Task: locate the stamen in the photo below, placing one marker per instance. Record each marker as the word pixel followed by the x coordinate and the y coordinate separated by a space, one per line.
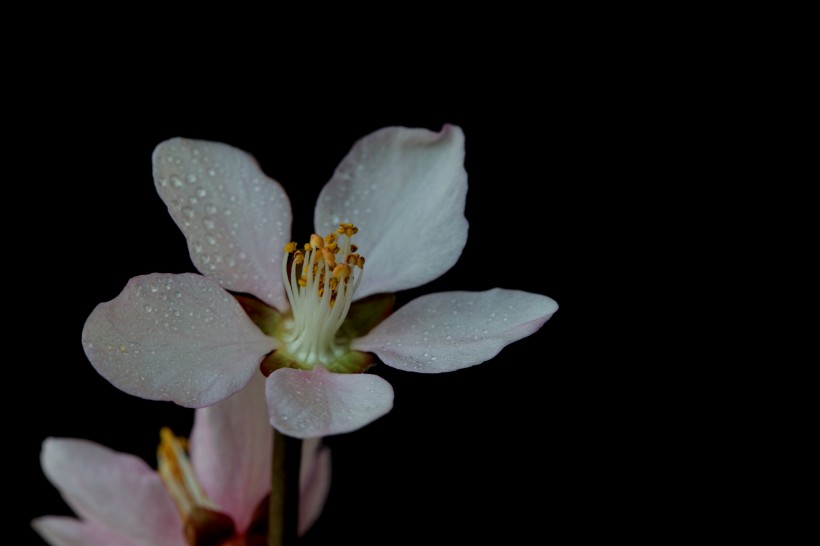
pixel 316 241
pixel 178 475
pixel 320 289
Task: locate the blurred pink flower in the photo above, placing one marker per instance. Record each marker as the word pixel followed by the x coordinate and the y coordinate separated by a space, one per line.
pixel 220 492
pixel 185 338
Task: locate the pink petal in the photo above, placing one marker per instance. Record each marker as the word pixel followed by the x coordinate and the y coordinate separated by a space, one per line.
pixel 405 189
pixel 231 446
pixel 66 531
pixel 314 482
pixel 309 404
pixel 113 490
pixel 452 330
pixel 175 337
pixel 236 219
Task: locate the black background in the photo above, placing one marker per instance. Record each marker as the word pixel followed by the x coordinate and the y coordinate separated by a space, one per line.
pixel 531 443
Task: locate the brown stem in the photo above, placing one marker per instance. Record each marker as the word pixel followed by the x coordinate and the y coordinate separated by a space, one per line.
pixel 283 514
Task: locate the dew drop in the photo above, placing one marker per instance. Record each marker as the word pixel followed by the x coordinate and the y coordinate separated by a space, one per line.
pixel 188 211
pixel 147 308
pixel 210 239
pixel 191 178
pixel 211 172
pixel 176 181
pixel 208 223
pixel 210 209
pixel 201 192
pixel 178 294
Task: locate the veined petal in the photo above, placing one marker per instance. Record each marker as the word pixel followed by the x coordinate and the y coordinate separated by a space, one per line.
pixel 235 218
pixel 309 404
pixel 453 330
pixel 114 490
pixel 231 451
pixel 66 531
pixel 175 337
pixel 405 189
pixel 314 482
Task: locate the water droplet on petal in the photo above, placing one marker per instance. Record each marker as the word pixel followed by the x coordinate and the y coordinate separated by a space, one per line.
pixel 208 223
pixel 147 308
pixel 201 192
pixel 188 211
pixel 210 209
pixel 176 181
pixel 191 178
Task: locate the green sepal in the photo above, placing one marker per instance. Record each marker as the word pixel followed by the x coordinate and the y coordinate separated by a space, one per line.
pixel 278 359
pixel 263 315
pixel 366 314
pixel 352 362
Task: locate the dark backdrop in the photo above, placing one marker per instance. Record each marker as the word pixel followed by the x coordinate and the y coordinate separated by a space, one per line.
pixel 525 445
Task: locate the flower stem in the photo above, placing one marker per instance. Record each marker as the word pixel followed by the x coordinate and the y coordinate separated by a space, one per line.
pixel 283 515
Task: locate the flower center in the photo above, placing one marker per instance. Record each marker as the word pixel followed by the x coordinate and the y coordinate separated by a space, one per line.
pixel 203 524
pixel 323 278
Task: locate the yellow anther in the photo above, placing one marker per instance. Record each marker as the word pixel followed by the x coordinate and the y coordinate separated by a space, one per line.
pixel 290 247
pixel 330 259
pixel 360 262
pixel 348 229
pixel 334 283
pixel 316 241
pixel 354 248
pixel 330 242
pixel 303 281
pixel 341 271
pixel 298 257
pixel 307 247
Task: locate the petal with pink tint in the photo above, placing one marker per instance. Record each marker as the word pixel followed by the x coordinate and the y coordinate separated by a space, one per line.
pixel 314 482
pixel 230 448
pixel 236 220
pixel 66 531
pixel 405 189
pixel 175 337
pixel 309 404
pixel 452 330
pixel 112 489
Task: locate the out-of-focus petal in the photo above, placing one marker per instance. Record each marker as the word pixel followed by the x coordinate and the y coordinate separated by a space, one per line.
pixel 309 404
pixel 405 189
pixel 116 490
pixel 235 218
pixel 66 531
pixel 314 482
pixel 452 330
pixel 231 446
pixel 175 337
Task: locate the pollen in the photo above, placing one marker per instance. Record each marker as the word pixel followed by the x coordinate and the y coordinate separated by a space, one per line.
pixel 320 284
pixel 290 247
pixel 347 229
